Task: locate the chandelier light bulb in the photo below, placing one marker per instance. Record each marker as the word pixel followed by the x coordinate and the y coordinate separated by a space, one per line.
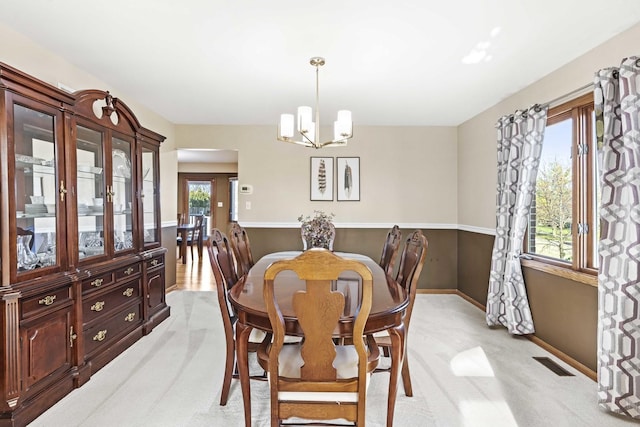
pixel 286 125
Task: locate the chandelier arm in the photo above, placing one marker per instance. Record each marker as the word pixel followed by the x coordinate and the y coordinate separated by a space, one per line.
pixel 304 135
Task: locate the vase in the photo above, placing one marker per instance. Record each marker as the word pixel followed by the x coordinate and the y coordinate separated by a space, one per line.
pixel 27 259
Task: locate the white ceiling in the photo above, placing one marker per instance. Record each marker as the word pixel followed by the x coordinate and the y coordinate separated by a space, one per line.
pixel 397 63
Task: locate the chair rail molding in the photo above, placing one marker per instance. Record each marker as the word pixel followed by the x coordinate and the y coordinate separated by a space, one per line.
pixel 386 225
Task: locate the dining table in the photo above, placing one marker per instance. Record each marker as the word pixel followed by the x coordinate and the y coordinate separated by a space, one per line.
pixel 389 304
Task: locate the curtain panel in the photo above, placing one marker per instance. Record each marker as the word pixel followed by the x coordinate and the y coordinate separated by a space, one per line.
pixel 519 142
pixel 617 107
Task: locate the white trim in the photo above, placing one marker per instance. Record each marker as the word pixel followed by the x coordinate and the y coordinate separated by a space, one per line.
pixel 430 226
pixel 479 230
pixel 384 225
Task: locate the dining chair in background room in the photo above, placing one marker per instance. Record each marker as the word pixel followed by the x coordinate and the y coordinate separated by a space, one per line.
pixel 194 238
pixel 306 234
pixel 222 264
pixel 179 237
pixel 241 248
pixel 181 218
pixel 390 249
pixel 411 263
pixel 317 379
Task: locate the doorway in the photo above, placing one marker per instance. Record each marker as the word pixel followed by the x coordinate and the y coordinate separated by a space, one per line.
pixel 206 194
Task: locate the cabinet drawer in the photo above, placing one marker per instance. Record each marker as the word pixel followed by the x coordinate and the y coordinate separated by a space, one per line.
pixel 97 282
pixel 46 301
pixel 156 261
pixel 97 305
pixel 127 272
pixel 112 327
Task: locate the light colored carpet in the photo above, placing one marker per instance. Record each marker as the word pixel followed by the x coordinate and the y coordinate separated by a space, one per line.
pixel 464 374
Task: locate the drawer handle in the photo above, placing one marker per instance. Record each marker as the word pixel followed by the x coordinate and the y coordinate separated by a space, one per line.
pixel 128 292
pixel 98 306
pixel 130 317
pixel 48 300
pixel 100 336
pixel 97 282
pixel 154 262
pixel 128 271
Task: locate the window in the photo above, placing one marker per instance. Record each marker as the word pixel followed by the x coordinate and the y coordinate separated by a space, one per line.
pixel 563 221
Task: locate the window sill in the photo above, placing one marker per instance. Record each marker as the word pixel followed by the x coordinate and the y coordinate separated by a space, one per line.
pixel 577 276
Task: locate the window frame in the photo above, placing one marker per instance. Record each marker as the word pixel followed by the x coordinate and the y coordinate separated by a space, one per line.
pixel 583 266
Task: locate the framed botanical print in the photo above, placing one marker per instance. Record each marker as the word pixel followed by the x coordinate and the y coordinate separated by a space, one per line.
pixel 321 178
pixel 348 178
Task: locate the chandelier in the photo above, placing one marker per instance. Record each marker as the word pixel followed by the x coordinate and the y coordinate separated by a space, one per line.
pixel 308 129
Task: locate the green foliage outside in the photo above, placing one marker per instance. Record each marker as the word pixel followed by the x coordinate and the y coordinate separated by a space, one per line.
pixel 199 198
pixel 554 204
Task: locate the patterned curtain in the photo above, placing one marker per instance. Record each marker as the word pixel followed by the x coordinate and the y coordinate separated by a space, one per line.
pixel 617 106
pixel 519 147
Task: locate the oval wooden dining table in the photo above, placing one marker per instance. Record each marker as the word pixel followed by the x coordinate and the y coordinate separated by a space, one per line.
pixel 389 303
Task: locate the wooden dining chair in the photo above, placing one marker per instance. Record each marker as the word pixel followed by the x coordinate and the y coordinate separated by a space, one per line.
pixel 390 249
pixel 411 263
pixel 317 379
pixel 182 218
pixel 222 264
pixel 194 238
pixel 241 248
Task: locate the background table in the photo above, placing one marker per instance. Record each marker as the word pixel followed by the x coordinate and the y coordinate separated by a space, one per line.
pixel 183 230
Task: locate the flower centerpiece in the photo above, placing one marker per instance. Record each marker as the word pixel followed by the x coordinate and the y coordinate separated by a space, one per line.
pixel 317 230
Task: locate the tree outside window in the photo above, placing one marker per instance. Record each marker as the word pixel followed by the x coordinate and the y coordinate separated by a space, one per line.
pixel 199 199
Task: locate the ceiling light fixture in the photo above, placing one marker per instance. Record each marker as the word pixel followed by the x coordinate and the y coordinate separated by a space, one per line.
pixel 310 130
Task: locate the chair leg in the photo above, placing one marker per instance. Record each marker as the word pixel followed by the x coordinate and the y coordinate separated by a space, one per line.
pixel 229 368
pixel 406 378
pixel 385 351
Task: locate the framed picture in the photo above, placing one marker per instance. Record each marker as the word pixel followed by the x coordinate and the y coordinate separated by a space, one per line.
pixel 322 178
pixel 348 176
pixel 351 288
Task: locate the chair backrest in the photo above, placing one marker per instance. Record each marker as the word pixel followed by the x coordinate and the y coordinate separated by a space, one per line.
pixel 224 273
pixel 307 235
pixel 390 249
pixel 411 263
pixel 241 248
pixel 181 218
pixel 197 230
pixel 318 310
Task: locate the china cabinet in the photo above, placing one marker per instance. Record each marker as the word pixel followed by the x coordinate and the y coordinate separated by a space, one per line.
pixel 82 266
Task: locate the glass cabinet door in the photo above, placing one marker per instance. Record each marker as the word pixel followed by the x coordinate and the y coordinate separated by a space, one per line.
pixel 121 194
pixel 149 195
pixel 36 190
pixel 90 188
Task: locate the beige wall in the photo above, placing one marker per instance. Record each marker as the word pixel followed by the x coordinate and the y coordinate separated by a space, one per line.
pixel 20 52
pixel 207 167
pixel 477 137
pixel 408 174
